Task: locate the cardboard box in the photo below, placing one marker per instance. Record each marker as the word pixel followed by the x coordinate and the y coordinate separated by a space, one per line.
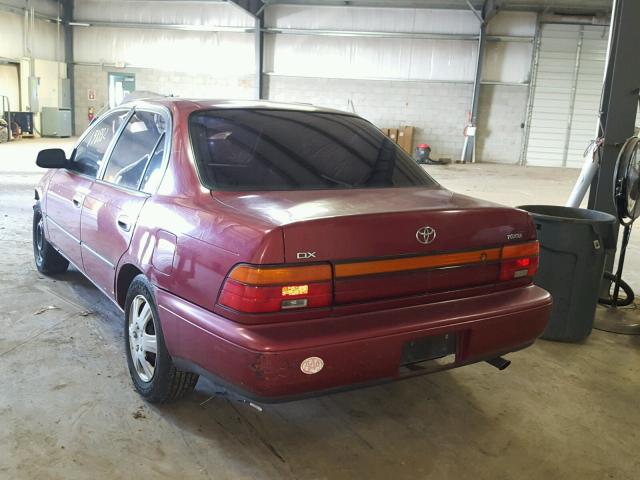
pixel 405 138
pixel 393 134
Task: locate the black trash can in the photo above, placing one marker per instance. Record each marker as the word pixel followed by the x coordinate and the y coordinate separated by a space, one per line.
pixel 573 245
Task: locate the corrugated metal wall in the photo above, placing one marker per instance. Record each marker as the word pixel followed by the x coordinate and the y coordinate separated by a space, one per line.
pixel 165 12
pixel 450 60
pixel 47 40
pixel 206 52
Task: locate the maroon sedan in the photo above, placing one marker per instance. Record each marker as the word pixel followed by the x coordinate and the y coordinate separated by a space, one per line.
pixel 282 250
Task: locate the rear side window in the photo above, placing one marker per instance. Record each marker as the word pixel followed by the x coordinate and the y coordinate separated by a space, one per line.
pixel 89 153
pixel 137 154
pixel 264 149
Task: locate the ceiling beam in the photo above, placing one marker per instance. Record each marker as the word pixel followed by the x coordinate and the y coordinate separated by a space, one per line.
pixel 572 6
pixel 252 7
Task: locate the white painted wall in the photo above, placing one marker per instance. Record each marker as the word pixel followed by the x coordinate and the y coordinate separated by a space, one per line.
pixel 215 53
pixel 409 20
pixel 392 81
pixel 46 7
pixel 198 52
pixel 49 74
pixel 38 48
pixel 367 57
pixel 10 84
pixel 177 12
pixel 47 38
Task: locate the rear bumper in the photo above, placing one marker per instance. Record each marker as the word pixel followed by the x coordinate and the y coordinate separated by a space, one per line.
pixel 263 361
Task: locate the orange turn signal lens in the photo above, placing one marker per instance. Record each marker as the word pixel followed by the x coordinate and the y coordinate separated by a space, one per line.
pixel 254 289
pixel 529 249
pixel 519 261
pixel 281 275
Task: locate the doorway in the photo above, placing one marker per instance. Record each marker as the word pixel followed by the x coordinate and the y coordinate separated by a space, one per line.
pixel 120 84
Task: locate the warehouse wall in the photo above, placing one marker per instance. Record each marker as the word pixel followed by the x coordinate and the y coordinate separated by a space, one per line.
pixel 95 77
pixel 437 109
pixel 38 49
pixel 422 82
pixel 501 117
pixel 196 63
pixel 10 83
pixel 503 106
pixel 426 83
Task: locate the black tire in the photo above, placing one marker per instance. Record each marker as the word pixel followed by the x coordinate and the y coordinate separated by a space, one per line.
pixel 48 260
pixel 166 383
pixel 626 296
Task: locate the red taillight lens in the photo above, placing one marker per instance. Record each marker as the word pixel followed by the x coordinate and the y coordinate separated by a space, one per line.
pixel 250 289
pixel 519 261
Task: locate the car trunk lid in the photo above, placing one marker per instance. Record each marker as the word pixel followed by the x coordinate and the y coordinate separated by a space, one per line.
pixel 386 243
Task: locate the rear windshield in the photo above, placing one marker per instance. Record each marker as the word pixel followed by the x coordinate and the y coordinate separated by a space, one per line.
pixel 264 149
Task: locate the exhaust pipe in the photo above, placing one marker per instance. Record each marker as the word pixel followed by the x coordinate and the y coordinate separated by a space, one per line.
pixel 499 362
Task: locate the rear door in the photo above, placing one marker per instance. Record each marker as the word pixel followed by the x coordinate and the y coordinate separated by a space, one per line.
pixel 112 206
pixel 69 187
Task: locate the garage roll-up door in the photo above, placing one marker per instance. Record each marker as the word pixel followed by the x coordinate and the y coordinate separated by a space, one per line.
pixel 566 94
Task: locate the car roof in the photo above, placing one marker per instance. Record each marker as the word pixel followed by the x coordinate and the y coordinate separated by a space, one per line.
pixel 193 104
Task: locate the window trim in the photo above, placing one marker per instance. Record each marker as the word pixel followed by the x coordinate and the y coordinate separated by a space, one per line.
pixel 166 114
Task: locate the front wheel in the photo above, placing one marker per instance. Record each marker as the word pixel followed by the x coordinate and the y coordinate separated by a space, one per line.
pixel 154 375
pixel 48 260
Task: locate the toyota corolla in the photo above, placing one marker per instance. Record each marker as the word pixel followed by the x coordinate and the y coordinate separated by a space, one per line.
pixel 282 250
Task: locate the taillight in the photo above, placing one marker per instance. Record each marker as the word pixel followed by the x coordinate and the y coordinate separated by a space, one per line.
pixel 251 289
pixel 519 261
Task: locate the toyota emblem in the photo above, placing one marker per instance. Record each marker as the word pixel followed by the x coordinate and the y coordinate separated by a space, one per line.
pixel 426 235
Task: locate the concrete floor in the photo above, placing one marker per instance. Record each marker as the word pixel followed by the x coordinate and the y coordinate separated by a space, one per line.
pixel 68 410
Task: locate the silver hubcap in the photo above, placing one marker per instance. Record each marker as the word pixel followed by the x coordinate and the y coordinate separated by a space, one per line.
pixel 142 338
pixel 40 237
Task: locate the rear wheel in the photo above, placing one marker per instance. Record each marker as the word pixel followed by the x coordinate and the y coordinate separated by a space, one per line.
pixel 48 260
pixel 154 375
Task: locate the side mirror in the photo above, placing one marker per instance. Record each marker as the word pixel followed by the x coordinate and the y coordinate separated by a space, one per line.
pixel 52 158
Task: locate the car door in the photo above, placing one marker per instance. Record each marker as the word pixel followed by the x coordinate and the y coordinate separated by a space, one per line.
pixel 112 205
pixel 68 187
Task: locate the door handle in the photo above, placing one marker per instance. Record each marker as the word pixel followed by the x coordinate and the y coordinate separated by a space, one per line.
pixel 77 201
pixel 124 223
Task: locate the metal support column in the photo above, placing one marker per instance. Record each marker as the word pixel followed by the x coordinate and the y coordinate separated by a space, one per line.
pixel 67 18
pixel 255 8
pixel 489 10
pixel 259 55
pixel 468 155
pixel 619 103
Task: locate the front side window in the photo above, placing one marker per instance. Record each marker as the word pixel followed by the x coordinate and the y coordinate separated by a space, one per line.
pixel 137 156
pixel 89 153
pixel 265 149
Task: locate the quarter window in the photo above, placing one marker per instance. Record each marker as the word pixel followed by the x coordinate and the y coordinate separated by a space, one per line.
pixel 137 156
pixel 89 153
